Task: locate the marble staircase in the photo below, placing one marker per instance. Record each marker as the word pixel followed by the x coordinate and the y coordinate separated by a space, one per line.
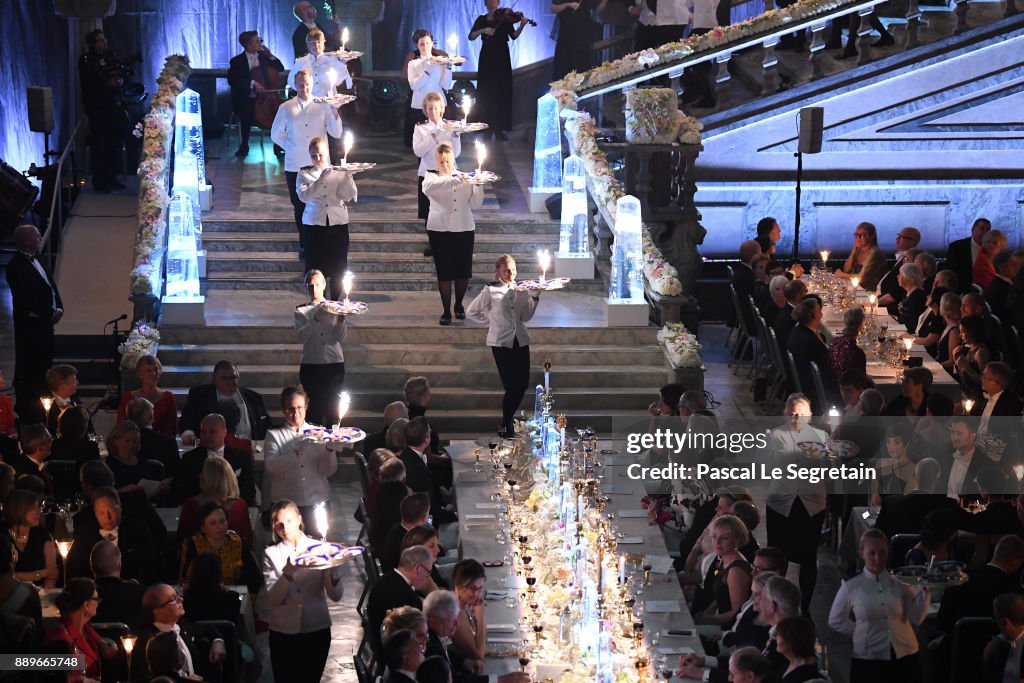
pixel 385 254
pixel 599 374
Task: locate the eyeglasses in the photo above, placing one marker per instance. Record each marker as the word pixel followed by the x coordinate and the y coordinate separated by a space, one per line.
pixel 176 598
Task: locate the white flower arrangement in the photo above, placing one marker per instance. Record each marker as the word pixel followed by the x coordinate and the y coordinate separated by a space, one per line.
pixel 682 347
pixel 662 277
pixel 143 340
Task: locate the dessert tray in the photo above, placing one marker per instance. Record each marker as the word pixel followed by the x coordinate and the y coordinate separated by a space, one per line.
pixel 354 166
pixel 344 307
pixel 547 285
pixel 459 126
pixel 334 435
pixel 450 61
pixel 347 55
pixel 939 575
pixel 335 99
pixel 478 177
pixel 325 555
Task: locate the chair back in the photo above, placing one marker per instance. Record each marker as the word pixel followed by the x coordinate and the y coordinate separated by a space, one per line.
pixel 364 472
pixel 970 636
pixel 1014 350
pixel 791 373
pixel 231 667
pixel 819 387
pixel 899 546
pixel 117 668
pixel 153 469
pixel 731 272
pixel 64 474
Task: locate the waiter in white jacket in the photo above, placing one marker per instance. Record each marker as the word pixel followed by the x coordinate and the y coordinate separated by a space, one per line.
pixel 329 73
pixel 505 310
pixel 426 137
pixel 325 191
pixel 450 229
pixel 298 121
pixel 322 368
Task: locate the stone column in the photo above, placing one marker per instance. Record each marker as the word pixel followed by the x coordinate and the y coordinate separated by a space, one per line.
pixel 360 16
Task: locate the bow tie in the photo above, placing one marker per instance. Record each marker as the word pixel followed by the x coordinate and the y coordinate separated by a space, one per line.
pixel 219 453
pixel 109 535
pixel 62 402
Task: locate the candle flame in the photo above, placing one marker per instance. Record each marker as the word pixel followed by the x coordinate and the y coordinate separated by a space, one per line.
pixel 968 404
pixel 872 299
pixel 824 254
pixel 349 140
pixel 908 342
pixel 453 43
pixel 544 259
pixel 855 281
pixel 320 515
pixel 129 643
pixel 64 547
pixel 347 281
pixel 1019 471
pixel 344 37
pixel 833 412
pixel 481 155
pixel 47 402
pixel 344 401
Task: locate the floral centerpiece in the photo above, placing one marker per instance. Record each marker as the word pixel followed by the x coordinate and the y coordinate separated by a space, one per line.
pixel 143 340
pixel 682 347
pixel 156 131
pixel 652 116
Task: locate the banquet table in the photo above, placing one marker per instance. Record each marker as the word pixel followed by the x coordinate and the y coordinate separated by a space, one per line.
pixel 478 523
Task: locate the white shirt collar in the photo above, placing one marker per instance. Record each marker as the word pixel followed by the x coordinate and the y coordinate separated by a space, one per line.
pixel 219 453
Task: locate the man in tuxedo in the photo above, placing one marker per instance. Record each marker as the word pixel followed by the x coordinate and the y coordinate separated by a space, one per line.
pixel 795 291
pixel 37 308
pixel 743 278
pixel 202 400
pixel 1006 265
pixel 94 475
pixel 806 344
pixel 131 537
pixel 399 587
pixel 961 254
pixel 62 381
pixel 960 470
pixel 245 89
pixel 403 656
pixel 200 644
pixel 392 412
pixel 305 12
pixel 905 514
pixel 415 510
pixel 1003 659
pixel 153 444
pixel 36 444
pixel 853 383
pixel 999 413
pixel 417 400
pixel 973 303
pixel 890 292
pixel 212 432
pixel 120 600
pixel 418 475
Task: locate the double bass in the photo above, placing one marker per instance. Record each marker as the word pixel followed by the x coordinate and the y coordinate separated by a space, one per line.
pixel 264 107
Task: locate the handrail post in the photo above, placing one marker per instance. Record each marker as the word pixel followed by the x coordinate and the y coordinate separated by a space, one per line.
pixel 864 35
pixel 816 51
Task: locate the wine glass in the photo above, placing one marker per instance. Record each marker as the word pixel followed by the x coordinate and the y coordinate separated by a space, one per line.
pixel 647 574
pixel 524 660
pixel 477 467
pixel 538 629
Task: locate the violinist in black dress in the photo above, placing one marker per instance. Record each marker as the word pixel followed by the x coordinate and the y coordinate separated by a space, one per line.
pixel 494 82
pixel 577 31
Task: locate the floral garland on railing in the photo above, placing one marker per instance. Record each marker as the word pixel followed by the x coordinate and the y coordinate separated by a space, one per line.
pixel 156 132
pixel 142 341
pixel 661 275
pixel 682 346
pixel 574 82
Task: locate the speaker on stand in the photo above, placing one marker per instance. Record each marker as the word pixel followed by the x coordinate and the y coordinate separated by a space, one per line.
pixel 812 122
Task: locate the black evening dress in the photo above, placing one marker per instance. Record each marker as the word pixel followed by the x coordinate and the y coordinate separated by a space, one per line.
pixel 577 32
pixel 494 80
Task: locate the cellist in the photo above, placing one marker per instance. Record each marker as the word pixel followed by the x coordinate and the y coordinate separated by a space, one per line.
pixel 244 88
pixel 329 72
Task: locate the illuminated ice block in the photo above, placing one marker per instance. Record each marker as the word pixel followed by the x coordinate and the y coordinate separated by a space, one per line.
pixel 627 274
pixel 572 237
pixel 547 153
pixel 182 258
pixel 188 131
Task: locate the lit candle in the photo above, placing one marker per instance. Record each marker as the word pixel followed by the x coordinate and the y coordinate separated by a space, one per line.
pixel 824 257
pixel 129 643
pixel 622 569
pixel 64 547
pixel 47 402
pixel 346 283
pixel 344 38
pixel 547 379
pixel 833 417
pixel 320 514
pixel 348 146
pixel 344 401
pixel 1019 471
pixel 855 281
pixel 968 404
pixel 481 154
pixel 453 44
pixel 544 259
pixel 467 105
pixel 908 342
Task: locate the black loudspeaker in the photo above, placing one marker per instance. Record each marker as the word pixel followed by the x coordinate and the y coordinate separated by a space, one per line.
pixel 16 196
pixel 812 122
pixel 40 109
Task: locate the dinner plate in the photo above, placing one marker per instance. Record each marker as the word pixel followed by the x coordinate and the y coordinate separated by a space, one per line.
pixel 549 284
pixel 344 307
pixel 326 555
pixel 332 435
pixel 335 99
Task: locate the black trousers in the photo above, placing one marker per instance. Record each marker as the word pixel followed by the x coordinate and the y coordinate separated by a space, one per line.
pixel 412 117
pixel 300 657
pixel 104 148
pixel 298 206
pixel 33 356
pixel 322 382
pixel 326 249
pixel 798 536
pixel 905 670
pixel 244 114
pixel 514 370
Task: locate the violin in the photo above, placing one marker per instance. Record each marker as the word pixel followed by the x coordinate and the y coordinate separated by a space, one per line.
pixel 503 14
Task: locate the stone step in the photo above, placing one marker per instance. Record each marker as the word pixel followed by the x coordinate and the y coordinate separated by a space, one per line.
pixel 428 335
pixel 372 401
pixel 368 282
pixel 364 262
pixel 394 376
pixel 391 354
pixel 484 225
pixel 395 243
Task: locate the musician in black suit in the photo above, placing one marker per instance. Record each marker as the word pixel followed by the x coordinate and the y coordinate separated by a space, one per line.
pixel 244 88
pixel 212 432
pixel 120 599
pixel 398 588
pixel 153 445
pixel 403 656
pixel 138 554
pixel 37 308
pixel 961 254
pixel 201 644
pixel 418 475
pixel 202 400
pixel 305 12
pixel 805 343
pixel 1003 658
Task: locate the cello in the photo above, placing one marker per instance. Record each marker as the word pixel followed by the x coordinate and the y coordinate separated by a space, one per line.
pixel 265 106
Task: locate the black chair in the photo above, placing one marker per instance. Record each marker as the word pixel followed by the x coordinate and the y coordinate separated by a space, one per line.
pixel 153 469
pixel 899 546
pixel 64 474
pixel 746 338
pixel 364 472
pixel 231 667
pixel 970 636
pixel 777 390
pixel 117 668
pixel 791 374
pixel 823 399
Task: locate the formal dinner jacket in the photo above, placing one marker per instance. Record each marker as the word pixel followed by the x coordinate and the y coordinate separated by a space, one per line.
pixel 240 76
pixel 138 552
pixel 202 400
pixel 33 297
pixel 198 639
pixel 419 478
pixel 390 591
pixel 186 484
pixel 959 259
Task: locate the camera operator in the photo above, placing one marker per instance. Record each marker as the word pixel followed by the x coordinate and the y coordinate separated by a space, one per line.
pixel 102 76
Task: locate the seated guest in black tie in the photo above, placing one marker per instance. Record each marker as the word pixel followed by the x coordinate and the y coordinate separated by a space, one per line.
pixel 747 665
pixel 938 539
pixel 399 587
pixel 748 629
pixel 415 512
pixel 744 279
pixel 852 384
pixel 890 291
pixel 139 555
pixel 62 381
pixel 913 399
pixel 155 445
pixel 166 660
pixel 386 510
pixel 795 291
pixel 206 598
pixel 37 553
pixel 914 304
pixel 434 670
pixel 928 264
pixel 1006 264
pixel 1003 658
pixel 406 619
pixel 300 624
pixel 244 88
pixel 905 514
pixel 417 400
pixel 961 468
pixel 202 400
pixel 427 537
pixel 212 433
pixel 392 412
pixel 19 598
pixel 403 656
pixel 74 443
pixel 120 599
pixel 1000 410
pixel 94 475
pixel 418 475
pixel 974 598
pixel 238 566
pixel 806 344
pixel 36 445
pixel 794 638
pixel 932 326
pixel 200 645
pixel 378 457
